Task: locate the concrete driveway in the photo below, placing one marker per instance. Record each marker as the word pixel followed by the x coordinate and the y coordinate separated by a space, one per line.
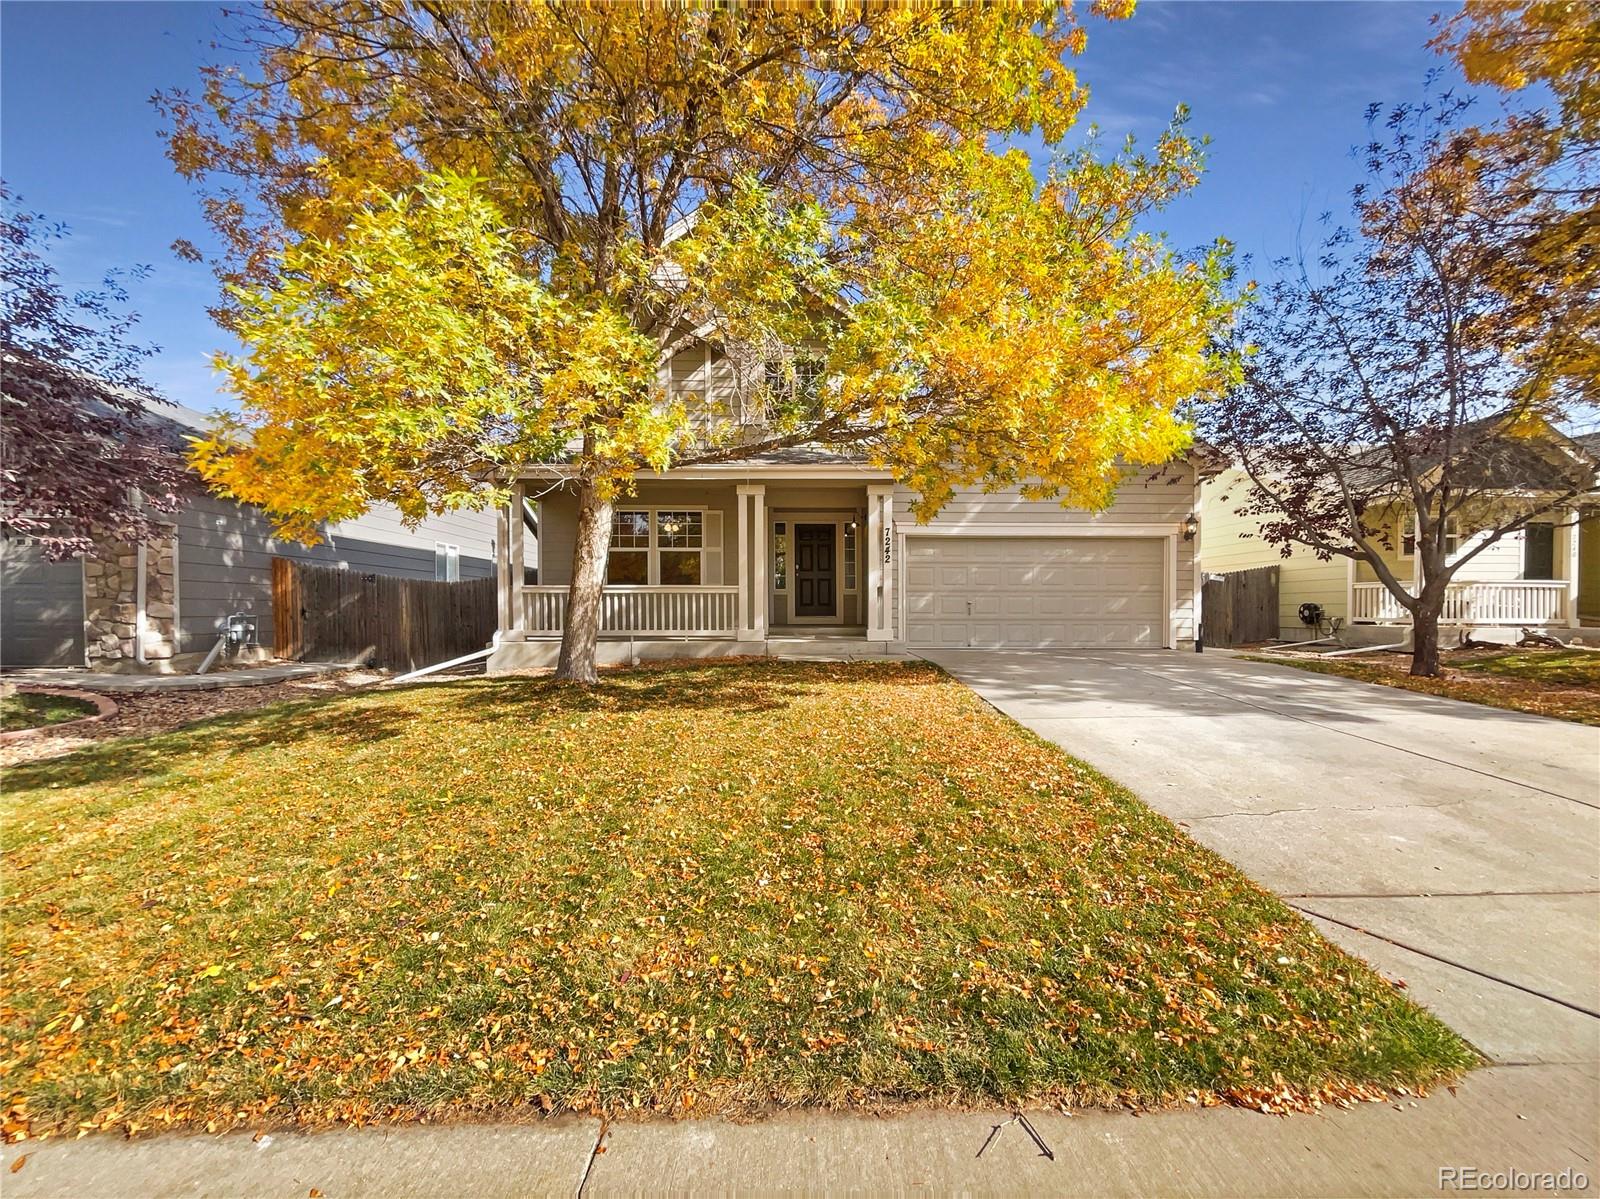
pixel 1454 846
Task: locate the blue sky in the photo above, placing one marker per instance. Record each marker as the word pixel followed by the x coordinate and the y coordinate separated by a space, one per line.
pixel 1280 87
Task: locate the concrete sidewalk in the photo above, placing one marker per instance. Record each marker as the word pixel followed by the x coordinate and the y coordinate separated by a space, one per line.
pixel 1501 1120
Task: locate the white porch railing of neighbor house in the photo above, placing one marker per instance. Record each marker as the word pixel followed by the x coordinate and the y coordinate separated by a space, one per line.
pixel 642 611
pixel 1526 602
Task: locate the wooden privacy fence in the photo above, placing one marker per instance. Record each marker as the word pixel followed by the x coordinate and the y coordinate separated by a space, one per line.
pixel 1240 607
pixel 322 613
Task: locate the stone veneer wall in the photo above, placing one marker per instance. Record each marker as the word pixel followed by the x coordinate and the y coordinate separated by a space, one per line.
pixel 111 601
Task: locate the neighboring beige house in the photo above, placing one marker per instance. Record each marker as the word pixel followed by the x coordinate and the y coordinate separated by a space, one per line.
pixel 807 548
pixel 1546 576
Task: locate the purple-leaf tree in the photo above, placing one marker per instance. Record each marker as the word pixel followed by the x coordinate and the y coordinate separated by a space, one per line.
pixel 1405 390
pixel 81 459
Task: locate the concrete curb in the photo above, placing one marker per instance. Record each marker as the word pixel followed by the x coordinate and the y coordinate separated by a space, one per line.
pixel 105 707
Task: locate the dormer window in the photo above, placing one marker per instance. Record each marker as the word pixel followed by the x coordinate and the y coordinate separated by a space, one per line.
pixel 795 378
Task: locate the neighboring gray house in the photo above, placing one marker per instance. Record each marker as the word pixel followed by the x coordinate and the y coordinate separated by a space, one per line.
pixel 149 603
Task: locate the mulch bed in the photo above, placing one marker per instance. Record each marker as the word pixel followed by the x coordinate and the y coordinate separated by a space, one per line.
pixel 139 714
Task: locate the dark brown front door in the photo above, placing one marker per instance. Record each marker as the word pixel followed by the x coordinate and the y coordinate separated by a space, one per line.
pixel 813 570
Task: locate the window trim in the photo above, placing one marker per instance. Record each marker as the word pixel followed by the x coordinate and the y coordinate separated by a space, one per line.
pixel 850 556
pixel 1408 533
pixel 452 562
pixel 654 550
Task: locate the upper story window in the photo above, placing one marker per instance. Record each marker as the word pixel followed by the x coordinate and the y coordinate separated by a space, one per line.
pixel 795 381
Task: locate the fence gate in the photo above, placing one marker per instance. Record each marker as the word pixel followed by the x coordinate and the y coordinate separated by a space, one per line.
pixel 1240 607
pixel 323 613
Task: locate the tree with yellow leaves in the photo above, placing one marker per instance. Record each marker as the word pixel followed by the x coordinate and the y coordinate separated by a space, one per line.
pixel 462 237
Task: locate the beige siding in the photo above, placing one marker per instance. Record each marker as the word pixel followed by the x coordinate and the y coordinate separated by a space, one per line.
pixel 1157 498
pixel 703 376
pixel 1589 570
pixel 1499 563
pixel 1230 542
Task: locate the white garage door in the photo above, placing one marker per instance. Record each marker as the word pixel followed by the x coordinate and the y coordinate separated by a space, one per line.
pixel 1069 592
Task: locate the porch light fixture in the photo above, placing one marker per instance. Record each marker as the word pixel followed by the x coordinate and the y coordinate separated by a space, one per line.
pixel 1191 526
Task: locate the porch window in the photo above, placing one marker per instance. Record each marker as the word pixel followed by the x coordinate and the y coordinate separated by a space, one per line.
pixel 1408 537
pixel 1539 552
pixel 850 556
pixel 629 560
pixel 780 556
pixel 680 537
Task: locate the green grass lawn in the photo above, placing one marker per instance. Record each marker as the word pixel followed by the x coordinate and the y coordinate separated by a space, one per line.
pixel 1564 684
pixel 35 709
pixel 698 887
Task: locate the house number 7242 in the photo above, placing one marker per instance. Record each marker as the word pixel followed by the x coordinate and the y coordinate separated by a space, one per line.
pixel 888 543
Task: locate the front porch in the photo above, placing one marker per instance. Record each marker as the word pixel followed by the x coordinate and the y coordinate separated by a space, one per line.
pixel 746 559
pixel 1525 603
pixel 1527 579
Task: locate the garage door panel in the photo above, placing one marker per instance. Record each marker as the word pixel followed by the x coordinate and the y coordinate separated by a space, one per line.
pixel 41 607
pixel 1063 592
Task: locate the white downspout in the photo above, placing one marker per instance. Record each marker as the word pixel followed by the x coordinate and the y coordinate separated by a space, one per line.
pixel 139 565
pixel 1574 570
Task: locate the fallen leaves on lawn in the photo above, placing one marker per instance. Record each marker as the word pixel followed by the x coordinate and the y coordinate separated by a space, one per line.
pixel 698 888
pixel 1562 684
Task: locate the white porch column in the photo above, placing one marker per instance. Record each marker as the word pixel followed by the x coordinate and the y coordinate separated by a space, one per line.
pixel 502 570
pixel 1416 553
pixel 761 563
pixel 880 562
pixel 1349 592
pixel 752 561
pixel 1574 570
pixel 514 553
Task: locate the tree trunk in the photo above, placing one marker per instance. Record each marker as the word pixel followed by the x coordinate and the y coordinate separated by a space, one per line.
pixel 1425 640
pixel 581 630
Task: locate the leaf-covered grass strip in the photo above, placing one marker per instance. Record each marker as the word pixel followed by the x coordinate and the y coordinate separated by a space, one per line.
pixel 1562 684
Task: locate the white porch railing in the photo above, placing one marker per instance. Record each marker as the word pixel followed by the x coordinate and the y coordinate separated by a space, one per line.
pixel 642 611
pixel 1526 602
